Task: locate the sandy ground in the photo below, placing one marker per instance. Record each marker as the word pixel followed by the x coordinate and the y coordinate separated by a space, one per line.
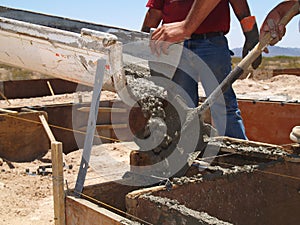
pixel 287 86
pixel 26 198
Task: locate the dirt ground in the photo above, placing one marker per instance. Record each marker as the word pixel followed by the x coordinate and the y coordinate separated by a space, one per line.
pixel 26 197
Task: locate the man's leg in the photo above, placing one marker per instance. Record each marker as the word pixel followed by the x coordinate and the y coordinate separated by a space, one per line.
pixel 225 112
pixel 189 86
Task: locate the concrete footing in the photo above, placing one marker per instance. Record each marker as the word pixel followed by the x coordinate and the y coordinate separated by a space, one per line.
pixel 237 187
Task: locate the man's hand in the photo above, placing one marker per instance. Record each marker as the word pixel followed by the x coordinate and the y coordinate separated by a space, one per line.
pixel 276 31
pixel 251 39
pixel 272 24
pixel 166 35
pixel 179 31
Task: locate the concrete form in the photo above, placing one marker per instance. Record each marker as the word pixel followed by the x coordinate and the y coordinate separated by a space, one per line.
pixel 260 186
pixel 247 183
pixel 69 118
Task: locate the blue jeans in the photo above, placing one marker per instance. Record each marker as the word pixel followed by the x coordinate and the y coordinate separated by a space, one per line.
pixel 212 67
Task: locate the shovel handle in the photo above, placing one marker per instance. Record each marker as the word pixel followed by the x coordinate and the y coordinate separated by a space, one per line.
pixel 265 41
pixel 245 63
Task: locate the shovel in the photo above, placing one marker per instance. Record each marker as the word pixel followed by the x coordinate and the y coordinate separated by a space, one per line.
pixel 186 153
pixel 234 75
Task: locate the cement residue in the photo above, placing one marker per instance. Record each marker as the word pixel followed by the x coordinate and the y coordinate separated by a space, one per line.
pixel 126 222
pixel 189 216
pixel 136 71
pixel 216 172
pixel 247 148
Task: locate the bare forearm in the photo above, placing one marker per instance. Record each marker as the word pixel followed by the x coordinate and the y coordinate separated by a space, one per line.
pixel 279 12
pixel 180 31
pixel 198 13
pixel 240 8
pixel 286 6
pixel 152 20
pixel 272 23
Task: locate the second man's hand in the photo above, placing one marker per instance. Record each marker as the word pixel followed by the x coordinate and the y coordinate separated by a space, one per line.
pixel 272 23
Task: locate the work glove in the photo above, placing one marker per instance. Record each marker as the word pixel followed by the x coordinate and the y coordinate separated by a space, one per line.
pixel 251 38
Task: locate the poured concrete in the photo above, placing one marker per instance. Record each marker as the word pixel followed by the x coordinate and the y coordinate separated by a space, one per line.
pixel 239 186
pixel 255 190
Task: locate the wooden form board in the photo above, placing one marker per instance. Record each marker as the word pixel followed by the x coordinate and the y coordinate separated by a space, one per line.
pixel 82 212
pixel 14 89
pixel 22 136
pixel 266 195
pixel 291 71
pixel 274 193
pixel 269 122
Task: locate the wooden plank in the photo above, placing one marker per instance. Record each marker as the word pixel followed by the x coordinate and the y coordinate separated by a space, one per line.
pixel 228 196
pixel 107 133
pixel 58 183
pixel 247 142
pixel 50 88
pixel 83 212
pixel 22 137
pixel 47 128
pixel 14 89
pixel 107 191
pixel 269 122
pixel 8 111
pixel 104 110
pixel 289 71
pixel 107 127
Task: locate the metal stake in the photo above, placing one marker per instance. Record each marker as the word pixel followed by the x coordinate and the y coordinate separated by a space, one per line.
pixel 89 138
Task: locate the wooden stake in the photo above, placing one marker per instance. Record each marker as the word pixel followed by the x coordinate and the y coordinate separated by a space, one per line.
pixel 58 183
pixel 47 128
pixel 8 111
pixel 104 110
pixel 3 96
pixel 50 88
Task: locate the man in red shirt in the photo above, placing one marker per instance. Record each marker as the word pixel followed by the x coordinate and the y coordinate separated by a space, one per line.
pixel 202 25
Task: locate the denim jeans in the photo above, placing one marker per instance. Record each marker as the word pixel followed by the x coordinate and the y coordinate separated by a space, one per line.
pixel 209 61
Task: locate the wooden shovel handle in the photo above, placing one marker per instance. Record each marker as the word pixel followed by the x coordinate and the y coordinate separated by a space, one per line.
pixel 257 50
pixel 245 63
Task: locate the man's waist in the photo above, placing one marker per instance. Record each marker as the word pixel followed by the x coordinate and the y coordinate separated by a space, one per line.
pixel 207 35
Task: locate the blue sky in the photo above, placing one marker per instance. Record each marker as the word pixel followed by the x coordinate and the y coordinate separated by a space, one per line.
pixel 129 14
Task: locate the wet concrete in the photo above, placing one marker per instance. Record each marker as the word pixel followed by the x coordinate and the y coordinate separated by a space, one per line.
pixel 162 120
pixel 165 112
pixel 172 212
pixel 258 191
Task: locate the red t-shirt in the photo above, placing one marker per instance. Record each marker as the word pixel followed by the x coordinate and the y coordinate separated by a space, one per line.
pixel 176 10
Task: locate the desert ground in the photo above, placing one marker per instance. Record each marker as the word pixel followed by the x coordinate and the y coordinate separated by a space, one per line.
pixel 26 197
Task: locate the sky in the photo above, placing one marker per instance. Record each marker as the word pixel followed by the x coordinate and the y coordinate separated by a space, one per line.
pixel 130 14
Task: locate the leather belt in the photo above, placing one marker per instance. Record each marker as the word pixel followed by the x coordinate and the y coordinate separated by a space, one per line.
pixel 206 35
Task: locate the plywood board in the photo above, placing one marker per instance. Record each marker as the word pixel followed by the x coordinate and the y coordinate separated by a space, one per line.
pixel 22 136
pixel 83 212
pixel 269 122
